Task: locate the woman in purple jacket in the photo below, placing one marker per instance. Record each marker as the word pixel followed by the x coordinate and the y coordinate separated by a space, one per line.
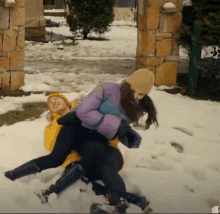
pixel 104 114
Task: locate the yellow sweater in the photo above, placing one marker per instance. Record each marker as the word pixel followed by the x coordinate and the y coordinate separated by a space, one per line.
pixel 50 135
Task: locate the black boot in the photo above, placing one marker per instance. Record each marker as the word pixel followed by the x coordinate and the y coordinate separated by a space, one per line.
pixel 140 201
pixel 23 170
pixel 69 177
pixel 118 201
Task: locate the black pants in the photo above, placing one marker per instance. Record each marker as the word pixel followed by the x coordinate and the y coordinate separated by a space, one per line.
pixel 107 171
pixel 88 143
pixel 98 160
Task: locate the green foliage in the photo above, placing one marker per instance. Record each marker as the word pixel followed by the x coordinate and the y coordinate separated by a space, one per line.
pixel 209 70
pixel 90 15
pixel 206 15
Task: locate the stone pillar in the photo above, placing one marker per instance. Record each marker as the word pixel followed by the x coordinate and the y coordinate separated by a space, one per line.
pixel 34 21
pixel 12 44
pixel 159 23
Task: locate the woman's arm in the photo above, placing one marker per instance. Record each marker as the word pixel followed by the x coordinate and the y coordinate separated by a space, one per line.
pixel 87 112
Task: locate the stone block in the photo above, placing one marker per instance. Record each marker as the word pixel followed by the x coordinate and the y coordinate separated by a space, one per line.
pixel 162 59
pixel 161 36
pixel 2 70
pixel 42 21
pixel 153 61
pixel 175 46
pixel 5 81
pixel 17 80
pixel 17 61
pixel 21 39
pixel 35 32
pixel 174 58
pixel 4 63
pixel 142 23
pixel 153 69
pixel 1 42
pixel 142 8
pixel 9 4
pixel 166 74
pixel 5 54
pixel 156 2
pixel 15 28
pixel 4 17
pixel 163 47
pixel 9 40
pixel 146 43
pixel 20 3
pixel 17 16
pixel 141 62
pixel 175 1
pixel 170 22
pixel 169 10
pixel 153 15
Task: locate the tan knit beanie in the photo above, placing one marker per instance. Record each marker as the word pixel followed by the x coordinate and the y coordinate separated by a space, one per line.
pixel 142 79
pixel 60 96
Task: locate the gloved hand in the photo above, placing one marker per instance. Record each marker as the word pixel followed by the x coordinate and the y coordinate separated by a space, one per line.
pixel 128 136
pixel 68 119
pixel 123 128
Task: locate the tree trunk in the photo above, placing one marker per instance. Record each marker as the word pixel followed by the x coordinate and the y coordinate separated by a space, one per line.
pixel 85 35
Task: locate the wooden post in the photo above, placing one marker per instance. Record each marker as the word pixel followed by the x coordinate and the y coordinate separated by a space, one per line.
pixel 193 67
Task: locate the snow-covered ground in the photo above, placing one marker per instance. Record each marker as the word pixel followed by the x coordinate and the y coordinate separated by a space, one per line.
pixel 177 166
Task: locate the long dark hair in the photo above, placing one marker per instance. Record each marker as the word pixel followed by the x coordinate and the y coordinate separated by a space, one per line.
pixel 144 106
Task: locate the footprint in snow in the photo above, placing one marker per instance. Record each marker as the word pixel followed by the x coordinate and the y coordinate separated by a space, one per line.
pixel 177 146
pixel 197 126
pixel 197 174
pixel 214 167
pixel 211 202
pixel 184 130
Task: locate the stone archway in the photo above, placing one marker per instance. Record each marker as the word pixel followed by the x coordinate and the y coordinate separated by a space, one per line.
pixel 159 23
pixel 157 47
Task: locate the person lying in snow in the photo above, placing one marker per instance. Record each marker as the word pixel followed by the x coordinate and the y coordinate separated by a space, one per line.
pixel 103 115
pixel 59 106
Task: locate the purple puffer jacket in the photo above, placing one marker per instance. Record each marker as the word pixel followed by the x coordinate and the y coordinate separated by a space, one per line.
pixel 101 110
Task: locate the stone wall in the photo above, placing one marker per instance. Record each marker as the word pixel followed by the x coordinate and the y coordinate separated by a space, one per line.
pixel 12 44
pixel 34 20
pixel 159 25
pixel 124 13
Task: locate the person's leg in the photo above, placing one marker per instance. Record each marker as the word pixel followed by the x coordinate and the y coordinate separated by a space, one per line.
pixel 92 152
pixel 60 151
pixel 109 171
pixel 68 135
pixel 115 186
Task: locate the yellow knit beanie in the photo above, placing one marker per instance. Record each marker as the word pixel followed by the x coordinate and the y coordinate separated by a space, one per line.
pixel 60 96
pixel 142 79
